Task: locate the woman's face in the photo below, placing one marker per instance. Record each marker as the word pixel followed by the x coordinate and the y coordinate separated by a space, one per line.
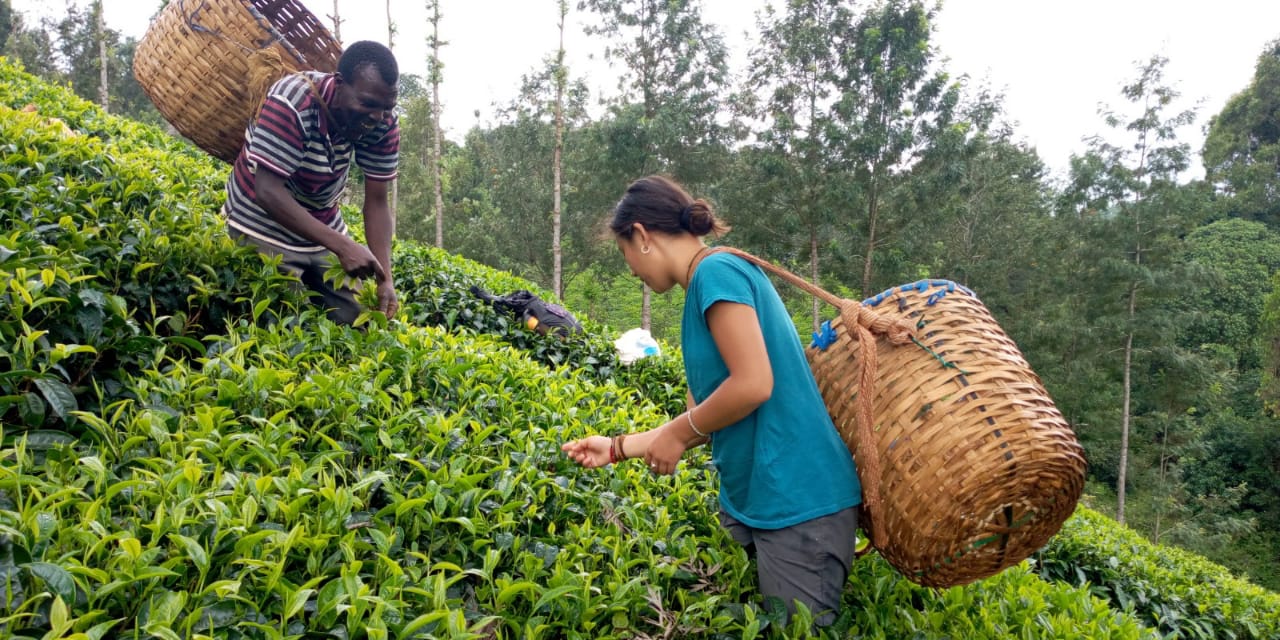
pixel 644 266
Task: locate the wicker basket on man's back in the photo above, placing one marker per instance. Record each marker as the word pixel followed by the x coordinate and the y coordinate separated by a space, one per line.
pixel 207 64
pixel 967 466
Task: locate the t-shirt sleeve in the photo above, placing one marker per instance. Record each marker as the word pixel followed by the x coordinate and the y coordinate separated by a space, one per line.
pixel 277 143
pixel 723 278
pixel 380 160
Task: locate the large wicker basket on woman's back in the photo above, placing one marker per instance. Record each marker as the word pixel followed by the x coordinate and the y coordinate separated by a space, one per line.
pixel 967 466
pixel 206 64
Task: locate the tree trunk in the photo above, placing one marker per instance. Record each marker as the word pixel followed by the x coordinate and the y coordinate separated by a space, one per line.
pixel 391 29
pixel 645 312
pixel 1164 479
pixel 104 96
pixel 556 264
pixel 391 40
pixel 873 212
pixel 337 24
pixel 813 275
pixel 436 182
pixel 1124 419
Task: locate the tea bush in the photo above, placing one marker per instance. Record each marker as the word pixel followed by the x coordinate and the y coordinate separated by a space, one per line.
pixel 1179 593
pixel 407 482
pixel 435 289
pixel 110 254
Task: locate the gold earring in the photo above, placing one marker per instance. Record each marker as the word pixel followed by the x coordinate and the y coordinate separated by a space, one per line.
pixel 645 249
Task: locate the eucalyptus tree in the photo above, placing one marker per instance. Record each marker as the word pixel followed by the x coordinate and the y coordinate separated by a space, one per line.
pixel 391 44
pixel 978 202
pixel 336 19
pixel 788 194
pixel 557 160
pixel 104 78
pixel 518 156
pixel 435 75
pixel 897 101
pixel 1242 149
pixel 78 46
pixel 1137 213
pixel 673 76
pixel 413 215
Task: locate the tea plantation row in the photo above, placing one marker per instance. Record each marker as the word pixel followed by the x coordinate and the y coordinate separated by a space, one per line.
pixel 173 467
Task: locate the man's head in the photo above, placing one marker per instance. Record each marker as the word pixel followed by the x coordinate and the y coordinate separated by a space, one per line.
pixel 367 88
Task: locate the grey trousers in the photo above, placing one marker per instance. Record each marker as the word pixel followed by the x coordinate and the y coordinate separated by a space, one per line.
pixel 808 561
pixel 340 302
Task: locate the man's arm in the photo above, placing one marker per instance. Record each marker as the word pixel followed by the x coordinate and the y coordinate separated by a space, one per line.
pixel 274 197
pixel 379 223
pixel 379 230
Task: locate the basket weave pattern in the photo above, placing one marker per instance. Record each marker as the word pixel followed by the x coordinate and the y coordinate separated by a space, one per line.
pixel 970 468
pixel 200 61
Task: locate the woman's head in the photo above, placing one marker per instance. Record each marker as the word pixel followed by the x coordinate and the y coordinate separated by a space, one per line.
pixel 660 205
pixel 658 227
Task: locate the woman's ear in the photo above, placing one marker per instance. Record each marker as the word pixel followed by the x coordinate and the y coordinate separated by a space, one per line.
pixel 640 234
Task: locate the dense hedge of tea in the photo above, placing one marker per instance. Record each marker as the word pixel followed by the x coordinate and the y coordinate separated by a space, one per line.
pixel 110 253
pixel 1179 593
pixel 407 481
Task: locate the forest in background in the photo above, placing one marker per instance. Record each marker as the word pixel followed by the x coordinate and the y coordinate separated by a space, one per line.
pixel 1147 302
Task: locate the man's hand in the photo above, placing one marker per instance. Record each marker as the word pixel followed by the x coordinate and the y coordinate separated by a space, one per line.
pixel 388 302
pixel 358 262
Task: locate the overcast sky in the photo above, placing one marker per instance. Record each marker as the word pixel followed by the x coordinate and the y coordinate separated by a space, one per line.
pixel 1054 61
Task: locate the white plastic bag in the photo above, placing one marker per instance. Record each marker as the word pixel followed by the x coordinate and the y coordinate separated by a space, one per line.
pixel 636 344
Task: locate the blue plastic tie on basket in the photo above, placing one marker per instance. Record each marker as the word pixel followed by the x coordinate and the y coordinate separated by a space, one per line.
pixel 920 286
pixel 824 337
pixel 947 287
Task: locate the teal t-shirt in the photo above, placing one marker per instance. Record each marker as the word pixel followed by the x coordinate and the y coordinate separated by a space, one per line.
pixel 785 462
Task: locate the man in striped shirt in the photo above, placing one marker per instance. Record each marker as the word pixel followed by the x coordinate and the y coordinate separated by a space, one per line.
pixel 282 195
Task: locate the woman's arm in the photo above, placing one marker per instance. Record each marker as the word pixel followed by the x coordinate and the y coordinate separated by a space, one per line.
pixel 738 338
pixel 737 335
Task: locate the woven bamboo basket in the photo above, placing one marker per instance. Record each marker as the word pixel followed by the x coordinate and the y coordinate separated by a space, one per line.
pixel 967 467
pixel 207 64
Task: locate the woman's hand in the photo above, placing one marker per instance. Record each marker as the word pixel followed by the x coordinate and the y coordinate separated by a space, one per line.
pixel 664 451
pixel 590 452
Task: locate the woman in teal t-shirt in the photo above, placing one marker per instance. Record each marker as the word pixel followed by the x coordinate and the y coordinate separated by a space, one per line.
pixel 788 488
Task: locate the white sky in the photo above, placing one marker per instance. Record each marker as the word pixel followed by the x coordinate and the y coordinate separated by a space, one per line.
pixel 1054 61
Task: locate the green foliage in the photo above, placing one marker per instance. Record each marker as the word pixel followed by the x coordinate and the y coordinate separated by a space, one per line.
pixel 435 290
pixel 1181 594
pixel 1243 145
pixel 1270 326
pixel 1241 256
pixel 111 255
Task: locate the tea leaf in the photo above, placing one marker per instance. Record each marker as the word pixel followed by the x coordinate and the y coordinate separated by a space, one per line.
pixel 58 395
pixel 55 578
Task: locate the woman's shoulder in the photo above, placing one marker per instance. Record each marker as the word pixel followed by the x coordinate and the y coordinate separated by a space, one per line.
pixel 725 263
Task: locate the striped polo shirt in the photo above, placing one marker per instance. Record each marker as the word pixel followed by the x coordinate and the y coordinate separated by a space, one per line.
pixel 291 138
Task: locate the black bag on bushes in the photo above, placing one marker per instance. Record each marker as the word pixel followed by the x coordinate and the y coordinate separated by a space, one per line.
pixel 534 312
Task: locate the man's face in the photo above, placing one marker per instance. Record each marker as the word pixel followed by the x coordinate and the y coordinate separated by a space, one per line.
pixel 362 102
